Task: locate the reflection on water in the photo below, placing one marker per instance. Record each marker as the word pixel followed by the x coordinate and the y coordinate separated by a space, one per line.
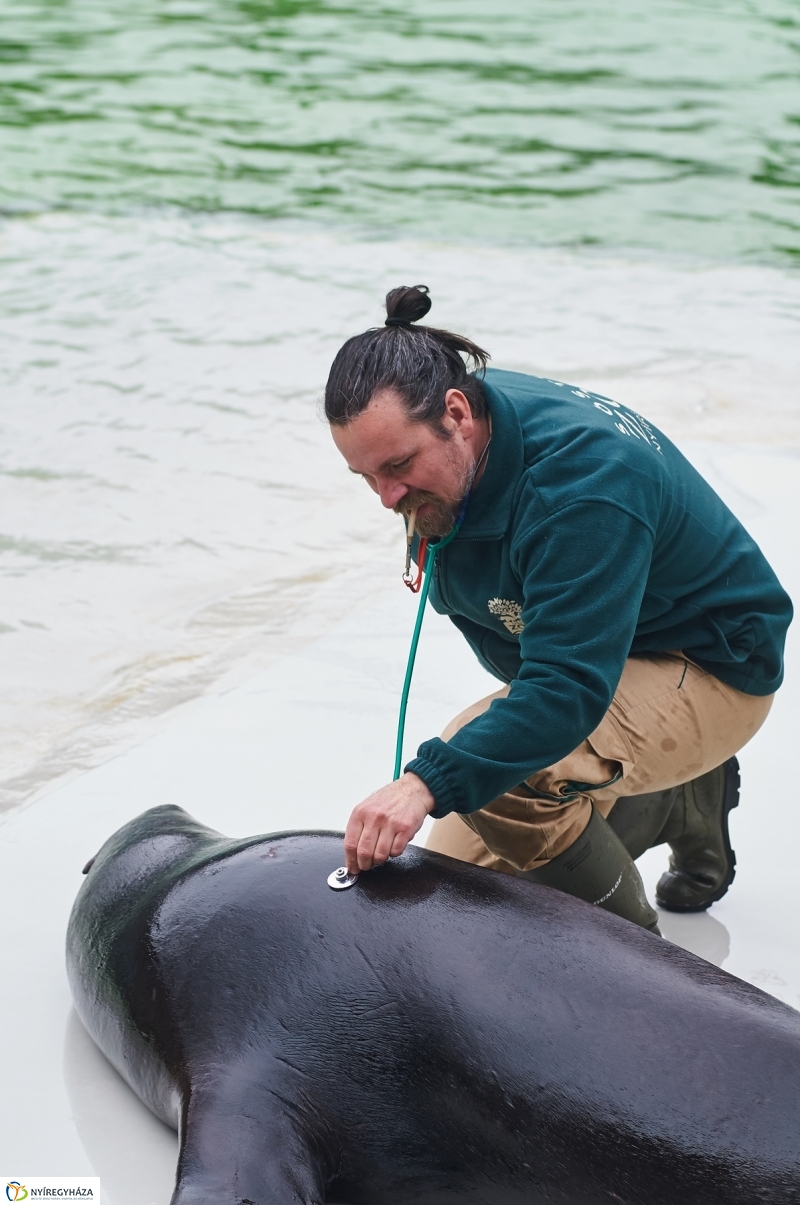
pixel 132 1152
pixel 699 932
pixel 672 124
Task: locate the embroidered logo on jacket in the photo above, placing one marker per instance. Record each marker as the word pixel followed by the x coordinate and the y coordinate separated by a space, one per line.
pixel 509 613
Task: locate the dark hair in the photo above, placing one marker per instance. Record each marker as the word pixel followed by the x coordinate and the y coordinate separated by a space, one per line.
pixel 420 363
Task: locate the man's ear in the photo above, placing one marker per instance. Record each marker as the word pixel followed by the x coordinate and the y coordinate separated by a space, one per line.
pixel 459 412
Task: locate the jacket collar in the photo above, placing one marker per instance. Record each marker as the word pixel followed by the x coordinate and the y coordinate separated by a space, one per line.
pixel 489 509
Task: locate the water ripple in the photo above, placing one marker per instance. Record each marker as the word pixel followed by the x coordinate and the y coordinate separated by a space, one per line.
pixel 675 125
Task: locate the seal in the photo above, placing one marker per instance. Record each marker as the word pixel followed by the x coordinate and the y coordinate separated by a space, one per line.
pixel 437 1033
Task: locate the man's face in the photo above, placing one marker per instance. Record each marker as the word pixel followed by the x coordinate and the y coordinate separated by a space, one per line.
pixel 407 464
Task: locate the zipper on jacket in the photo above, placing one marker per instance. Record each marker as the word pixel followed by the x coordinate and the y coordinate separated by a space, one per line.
pixel 438 582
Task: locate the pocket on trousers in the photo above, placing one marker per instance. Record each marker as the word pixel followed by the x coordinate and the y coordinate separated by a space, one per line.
pixel 611 744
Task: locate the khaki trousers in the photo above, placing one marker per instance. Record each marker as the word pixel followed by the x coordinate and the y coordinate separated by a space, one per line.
pixel 668 723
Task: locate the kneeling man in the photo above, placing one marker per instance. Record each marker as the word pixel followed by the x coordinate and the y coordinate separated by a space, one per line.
pixel 637 627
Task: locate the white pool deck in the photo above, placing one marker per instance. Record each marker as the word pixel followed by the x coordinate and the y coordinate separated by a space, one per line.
pixel 296 747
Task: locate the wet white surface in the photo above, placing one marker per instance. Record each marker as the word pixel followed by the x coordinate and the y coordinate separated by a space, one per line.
pixel 295 747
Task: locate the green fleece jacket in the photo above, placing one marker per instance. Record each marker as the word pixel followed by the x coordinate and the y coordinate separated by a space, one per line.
pixel 589 539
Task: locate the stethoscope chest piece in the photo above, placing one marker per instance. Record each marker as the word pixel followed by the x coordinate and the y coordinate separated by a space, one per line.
pixel 340 879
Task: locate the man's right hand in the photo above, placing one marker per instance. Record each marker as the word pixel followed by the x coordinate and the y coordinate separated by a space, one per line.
pixel 382 826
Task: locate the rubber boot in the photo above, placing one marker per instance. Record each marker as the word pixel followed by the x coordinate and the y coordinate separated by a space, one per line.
pixel 639 820
pixel 598 868
pixel 702 865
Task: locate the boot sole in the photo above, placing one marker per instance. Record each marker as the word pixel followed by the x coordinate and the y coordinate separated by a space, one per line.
pixel 731 800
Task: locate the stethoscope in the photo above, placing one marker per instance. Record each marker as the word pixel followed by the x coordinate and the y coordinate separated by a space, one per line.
pixel 426 559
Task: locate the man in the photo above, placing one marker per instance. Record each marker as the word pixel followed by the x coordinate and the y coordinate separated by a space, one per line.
pixel 637 626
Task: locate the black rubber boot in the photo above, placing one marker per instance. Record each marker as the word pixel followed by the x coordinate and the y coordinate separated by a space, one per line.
pixel 598 868
pixel 639 820
pixel 702 865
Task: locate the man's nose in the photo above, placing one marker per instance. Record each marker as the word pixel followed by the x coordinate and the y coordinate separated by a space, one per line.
pixel 391 492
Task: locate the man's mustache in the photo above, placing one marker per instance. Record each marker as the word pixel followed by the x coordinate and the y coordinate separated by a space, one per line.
pixel 416 498
pixel 439 513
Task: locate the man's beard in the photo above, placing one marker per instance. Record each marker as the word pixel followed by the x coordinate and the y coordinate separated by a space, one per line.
pixel 441 516
pixel 439 520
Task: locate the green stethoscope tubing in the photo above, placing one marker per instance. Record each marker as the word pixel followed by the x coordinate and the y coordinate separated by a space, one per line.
pixel 430 559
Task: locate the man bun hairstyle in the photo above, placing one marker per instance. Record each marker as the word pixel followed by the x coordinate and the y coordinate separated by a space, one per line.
pixel 407 304
pixel 420 363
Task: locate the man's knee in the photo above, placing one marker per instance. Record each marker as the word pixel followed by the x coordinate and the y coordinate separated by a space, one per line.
pixel 526 833
pixel 455 838
pixel 472 712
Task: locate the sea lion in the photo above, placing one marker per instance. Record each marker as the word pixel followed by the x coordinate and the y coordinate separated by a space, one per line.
pixel 436 1033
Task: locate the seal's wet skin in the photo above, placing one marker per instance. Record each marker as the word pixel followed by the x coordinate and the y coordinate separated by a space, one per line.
pixel 437 1033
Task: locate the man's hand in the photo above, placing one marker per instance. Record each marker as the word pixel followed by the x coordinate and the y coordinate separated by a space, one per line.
pixel 382 826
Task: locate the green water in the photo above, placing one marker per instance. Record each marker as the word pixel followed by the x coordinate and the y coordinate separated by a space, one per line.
pixel 672 124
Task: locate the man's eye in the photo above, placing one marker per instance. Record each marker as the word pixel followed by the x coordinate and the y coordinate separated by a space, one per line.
pixel 401 464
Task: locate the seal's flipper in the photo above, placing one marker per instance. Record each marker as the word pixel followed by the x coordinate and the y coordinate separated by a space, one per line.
pixel 247 1151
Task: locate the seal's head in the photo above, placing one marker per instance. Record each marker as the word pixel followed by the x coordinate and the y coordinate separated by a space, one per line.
pixel 159 834
pixel 107 951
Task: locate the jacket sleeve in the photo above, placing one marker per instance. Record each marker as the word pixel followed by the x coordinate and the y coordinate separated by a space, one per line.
pixel 584 572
